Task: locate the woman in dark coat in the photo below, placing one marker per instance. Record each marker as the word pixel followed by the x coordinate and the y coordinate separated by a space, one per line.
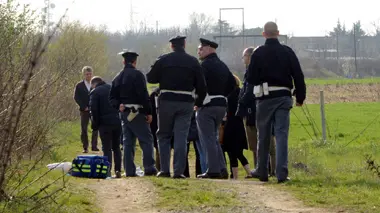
pixel 234 137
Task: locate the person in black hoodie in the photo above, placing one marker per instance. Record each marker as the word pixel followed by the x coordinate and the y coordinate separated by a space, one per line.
pixel 106 119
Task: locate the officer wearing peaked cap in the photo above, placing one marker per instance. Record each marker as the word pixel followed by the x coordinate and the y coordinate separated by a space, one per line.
pixel 130 96
pixel 181 84
pixel 220 83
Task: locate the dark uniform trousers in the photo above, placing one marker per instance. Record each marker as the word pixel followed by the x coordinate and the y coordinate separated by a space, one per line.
pixel 174 117
pixel 208 120
pixel 276 112
pixel 139 129
pixel 110 136
pixel 84 121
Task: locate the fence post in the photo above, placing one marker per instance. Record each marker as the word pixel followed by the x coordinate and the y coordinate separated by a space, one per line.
pixel 323 117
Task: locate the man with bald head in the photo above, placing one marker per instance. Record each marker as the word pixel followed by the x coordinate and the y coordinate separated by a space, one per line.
pixel 247 110
pixel 273 69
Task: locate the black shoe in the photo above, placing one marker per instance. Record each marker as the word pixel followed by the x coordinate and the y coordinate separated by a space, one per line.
pixel 131 175
pixel 95 149
pixel 85 151
pixel 117 174
pixel 284 181
pixel 151 173
pixel 163 174
pixel 257 176
pixel 224 174
pixel 210 176
pixel 179 176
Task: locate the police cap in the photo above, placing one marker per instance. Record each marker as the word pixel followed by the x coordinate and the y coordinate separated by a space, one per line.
pixel 128 55
pixel 206 42
pixel 177 39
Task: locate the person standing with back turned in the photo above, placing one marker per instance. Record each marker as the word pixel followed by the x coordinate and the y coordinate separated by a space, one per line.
pixel 180 80
pixel 272 70
pixel 129 94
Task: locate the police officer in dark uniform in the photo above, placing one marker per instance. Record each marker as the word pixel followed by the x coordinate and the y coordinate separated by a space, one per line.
pixel 129 94
pixel 105 118
pixel 272 70
pixel 220 83
pixel 181 83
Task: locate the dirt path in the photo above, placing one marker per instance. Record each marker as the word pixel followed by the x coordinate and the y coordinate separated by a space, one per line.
pixel 137 195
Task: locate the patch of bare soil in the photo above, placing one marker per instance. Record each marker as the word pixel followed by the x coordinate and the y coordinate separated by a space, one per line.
pixel 258 197
pixel 133 195
pixel 136 195
pixel 344 93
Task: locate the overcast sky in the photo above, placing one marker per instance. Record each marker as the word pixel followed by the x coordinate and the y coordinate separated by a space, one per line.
pixel 297 17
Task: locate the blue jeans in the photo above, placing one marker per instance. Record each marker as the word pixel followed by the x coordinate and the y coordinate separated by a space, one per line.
pixel 202 156
pixel 273 114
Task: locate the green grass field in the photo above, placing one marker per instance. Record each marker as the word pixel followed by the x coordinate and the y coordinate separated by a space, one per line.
pixel 336 176
pixel 337 171
pixel 317 81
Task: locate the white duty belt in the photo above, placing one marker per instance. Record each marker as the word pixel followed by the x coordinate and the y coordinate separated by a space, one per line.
pixel 264 89
pixel 136 106
pixel 208 98
pixel 192 93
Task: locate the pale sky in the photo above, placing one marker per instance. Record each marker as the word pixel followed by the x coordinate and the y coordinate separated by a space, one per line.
pixel 297 17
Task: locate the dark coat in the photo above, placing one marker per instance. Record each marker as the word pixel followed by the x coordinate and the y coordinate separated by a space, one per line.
pixel 102 113
pixel 247 103
pixel 154 124
pixel 81 95
pixel 193 132
pixel 234 137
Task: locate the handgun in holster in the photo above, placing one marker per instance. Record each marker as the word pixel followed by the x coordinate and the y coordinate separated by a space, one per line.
pixel 132 114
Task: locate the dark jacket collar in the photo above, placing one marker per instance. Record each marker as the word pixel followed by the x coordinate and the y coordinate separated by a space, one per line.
pixel 212 55
pixel 178 49
pixel 272 41
pixel 101 83
pixel 128 65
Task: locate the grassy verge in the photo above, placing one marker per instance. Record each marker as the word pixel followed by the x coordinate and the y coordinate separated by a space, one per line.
pixel 75 197
pixel 336 173
pixel 334 81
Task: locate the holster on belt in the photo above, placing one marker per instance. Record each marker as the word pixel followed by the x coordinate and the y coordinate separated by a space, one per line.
pixel 132 114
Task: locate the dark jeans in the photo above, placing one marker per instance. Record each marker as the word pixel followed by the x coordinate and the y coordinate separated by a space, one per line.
pixel 110 136
pixel 84 121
